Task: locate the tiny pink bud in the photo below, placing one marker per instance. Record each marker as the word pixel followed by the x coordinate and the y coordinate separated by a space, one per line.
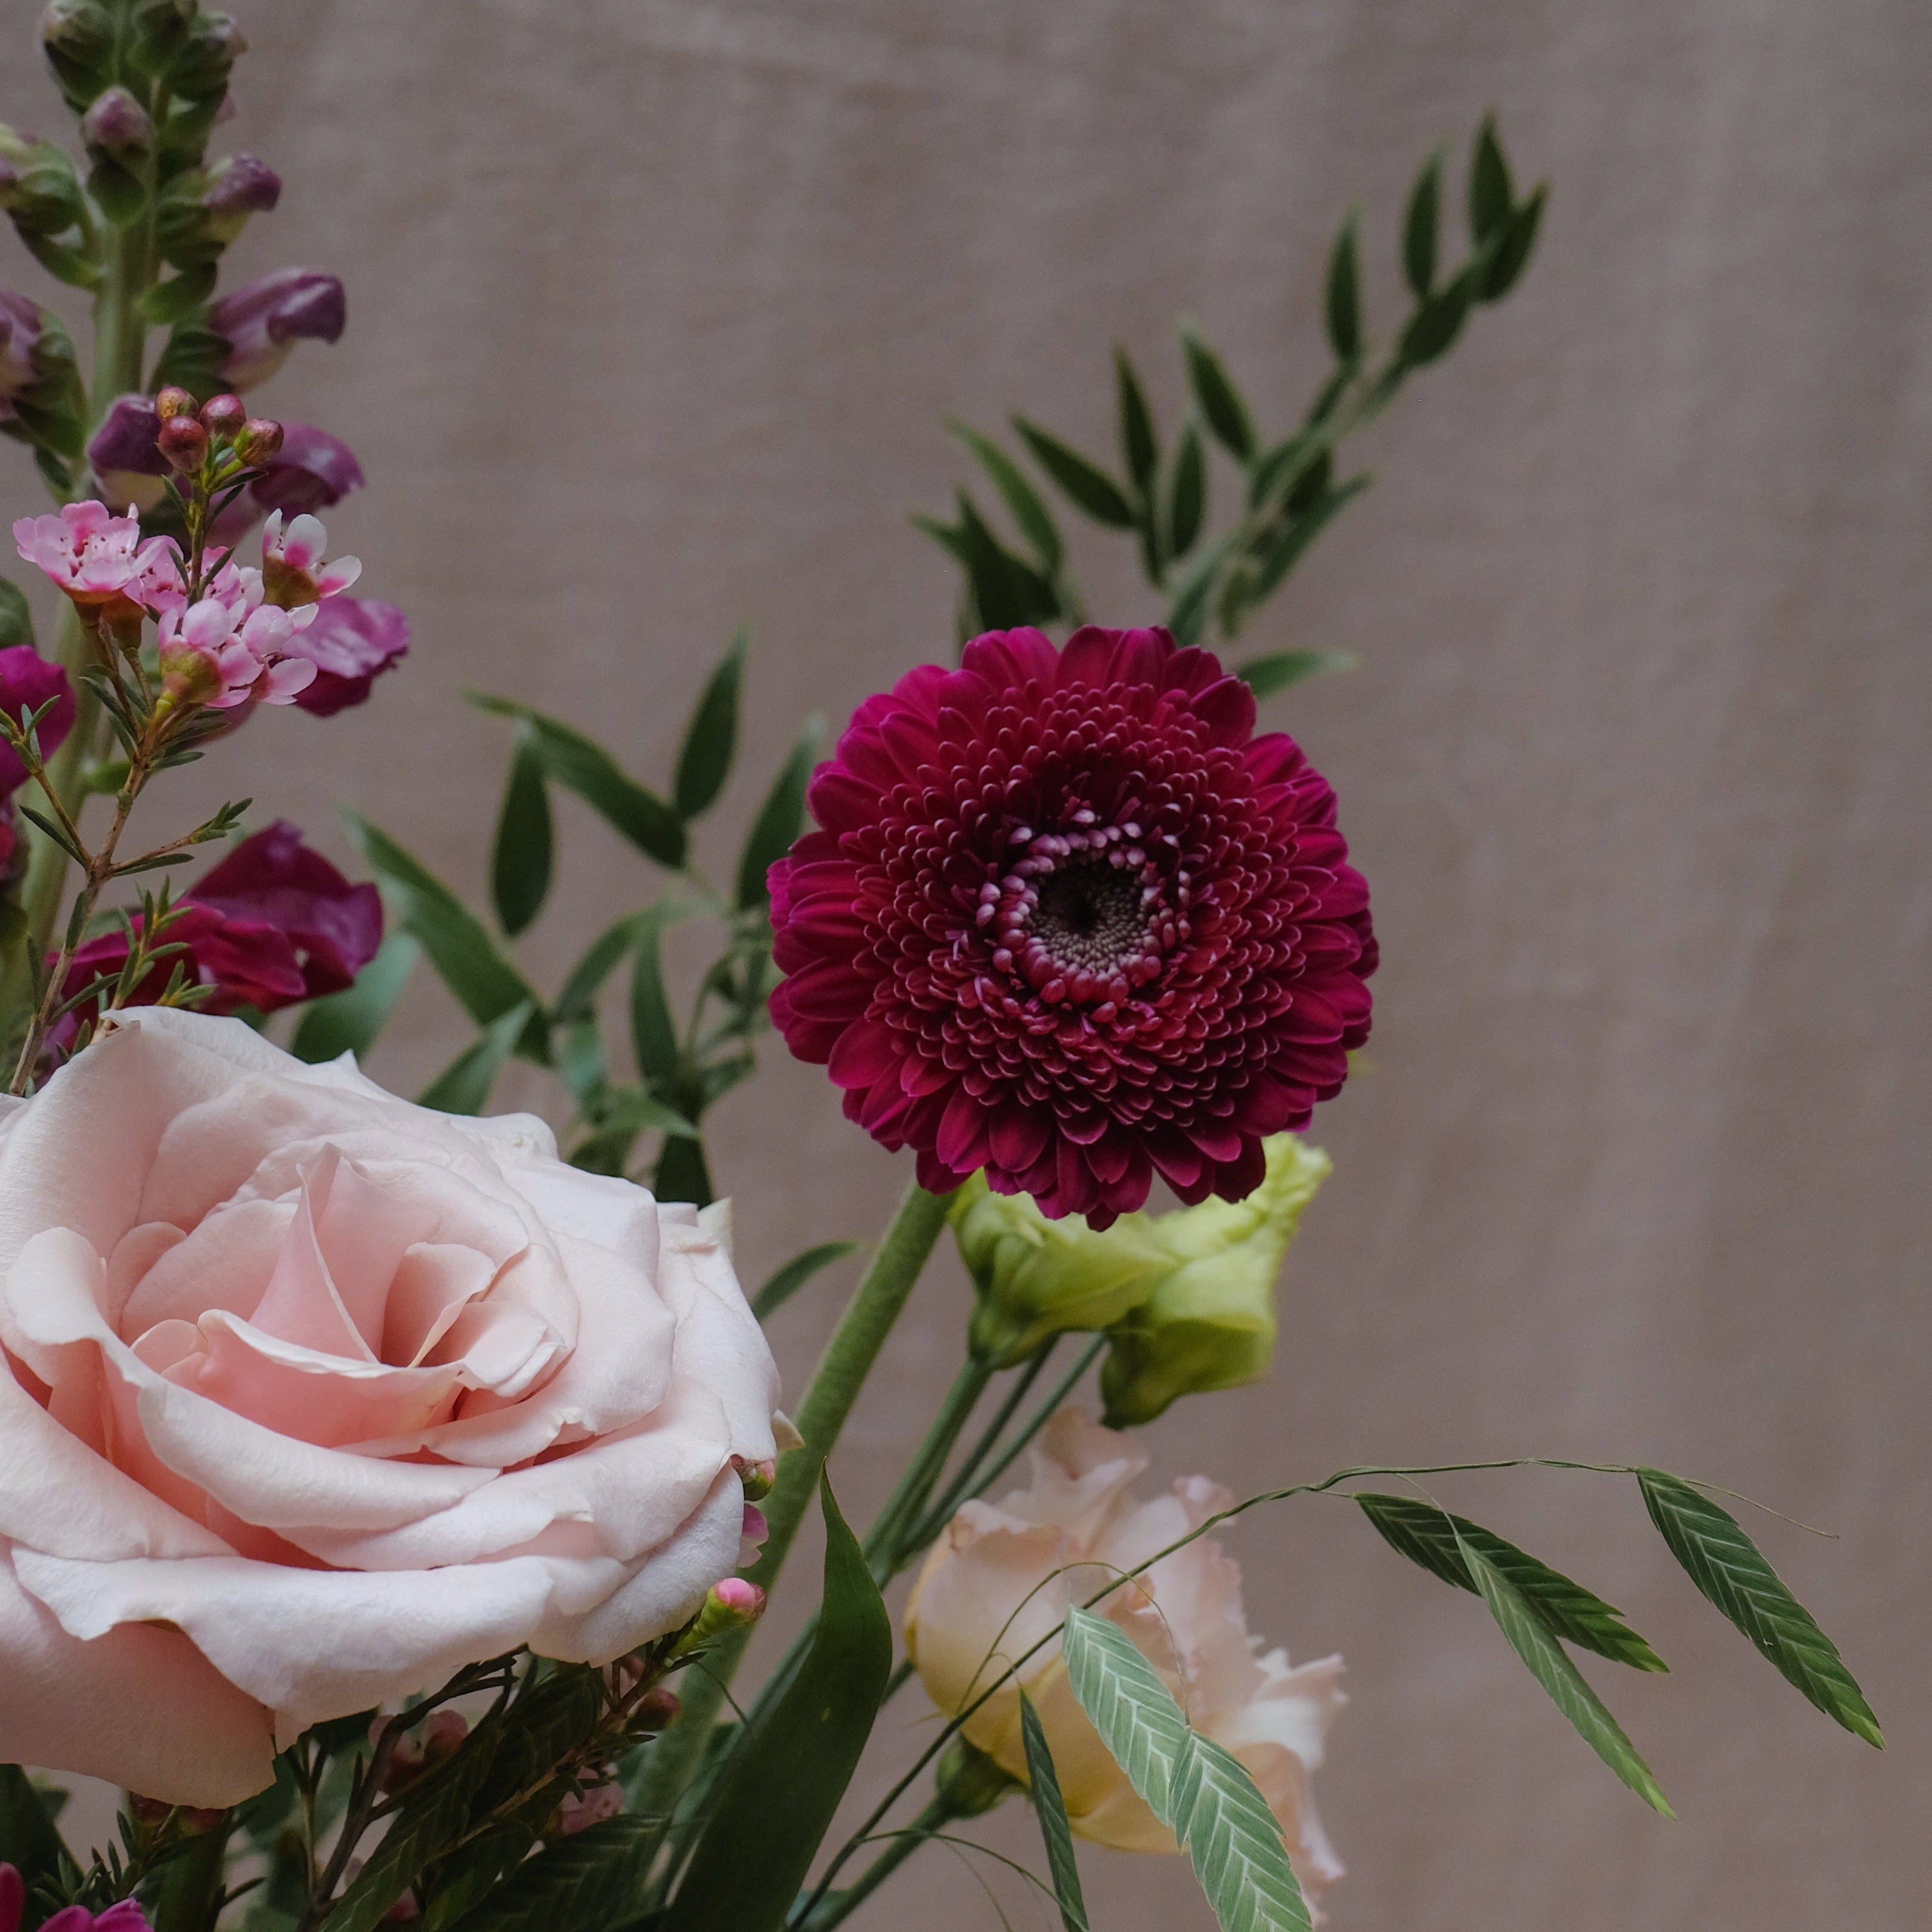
pixel 117 124
pixel 754 1528
pixel 259 442
pixel 589 1807
pixel 223 415
pixel 184 443
pixel 744 1601
pixel 756 1478
pixel 173 400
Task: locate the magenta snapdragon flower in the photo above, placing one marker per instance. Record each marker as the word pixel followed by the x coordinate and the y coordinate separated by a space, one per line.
pixel 1067 919
pixel 352 641
pixel 126 1916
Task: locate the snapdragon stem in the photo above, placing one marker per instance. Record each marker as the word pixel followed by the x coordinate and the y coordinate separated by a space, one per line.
pixel 876 1305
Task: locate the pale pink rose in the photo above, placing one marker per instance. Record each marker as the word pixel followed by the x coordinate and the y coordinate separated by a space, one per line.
pixel 1184 1615
pixel 309 1396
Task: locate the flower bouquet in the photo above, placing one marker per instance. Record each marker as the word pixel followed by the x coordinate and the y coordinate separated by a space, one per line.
pixel 388 1489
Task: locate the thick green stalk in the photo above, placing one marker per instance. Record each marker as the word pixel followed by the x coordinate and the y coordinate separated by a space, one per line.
pixel 875 1306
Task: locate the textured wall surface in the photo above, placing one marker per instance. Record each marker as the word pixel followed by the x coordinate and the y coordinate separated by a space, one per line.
pixel 655 308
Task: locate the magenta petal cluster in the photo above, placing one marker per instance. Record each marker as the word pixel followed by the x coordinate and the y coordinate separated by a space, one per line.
pixel 1069 919
pixel 27 681
pixel 126 1916
pixel 352 642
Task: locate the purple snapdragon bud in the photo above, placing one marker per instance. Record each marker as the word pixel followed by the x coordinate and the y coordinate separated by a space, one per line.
pixel 19 335
pixel 125 458
pixel 238 187
pixel 263 321
pixel 117 124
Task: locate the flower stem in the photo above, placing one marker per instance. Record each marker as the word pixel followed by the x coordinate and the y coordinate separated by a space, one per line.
pixel 875 1306
pixel 837 1905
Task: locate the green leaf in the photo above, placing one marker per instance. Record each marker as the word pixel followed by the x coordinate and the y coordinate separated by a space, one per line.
pixel 1287 549
pixel 778 1801
pixel 177 299
pixel 711 738
pixel 580 991
pixel 653 1033
pixel 1496 280
pixel 633 1112
pixel 591 1880
pixel 463 1086
pixel 781 817
pixel 1138 1721
pixel 1139 446
pixel 1491 198
pixel 1051 1810
pixel 1265 676
pixel 683 1173
pixel 787 1281
pixel 485 984
pixel 1420 226
pixel 1434 324
pixel 1533 1641
pixel 1429 1537
pixel 1007 589
pixel 1235 1844
pixel 349 1021
pixel 1021 500
pixel 1343 304
pixel 520 860
pixel 1084 480
pixel 584 766
pixel 1724 1563
pixel 29 1841
pixel 187 1889
pixel 1220 401
pixel 1187 614
pixel 1187 501
pixel 16 621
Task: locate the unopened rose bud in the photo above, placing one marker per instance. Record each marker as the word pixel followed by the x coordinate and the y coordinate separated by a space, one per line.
pixel 756 1477
pixel 222 415
pixel 183 443
pixel 173 400
pixel 117 124
pixel 259 442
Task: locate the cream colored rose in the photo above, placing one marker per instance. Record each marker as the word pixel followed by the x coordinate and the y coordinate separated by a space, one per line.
pixel 1185 1616
pixel 309 1396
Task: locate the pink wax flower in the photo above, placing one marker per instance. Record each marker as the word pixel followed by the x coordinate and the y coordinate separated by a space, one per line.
pixel 312 470
pixel 27 681
pixel 293 573
pixel 1069 920
pixel 98 558
pixel 352 642
pixel 263 321
pixel 126 1916
pixel 226 649
pixel 273 923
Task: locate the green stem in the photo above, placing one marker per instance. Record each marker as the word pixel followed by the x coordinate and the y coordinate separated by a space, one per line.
pixel 875 1306
pixel 837 1905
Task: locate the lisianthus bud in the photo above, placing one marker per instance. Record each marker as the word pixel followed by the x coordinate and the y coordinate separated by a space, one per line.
pixel 262 322
pixel 1210 1323
pixel 183 443
pixel 222 415
pixel 259 439
pixel 1035 1278
pixel 237 187
pixel 117 124
pixel 173 400
pixel 733 1604
pixel 970 1782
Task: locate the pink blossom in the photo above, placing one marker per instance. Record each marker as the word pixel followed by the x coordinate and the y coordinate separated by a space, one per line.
pixel 591 1806
pixel 225 649
pixel 98 558
pixel 292 571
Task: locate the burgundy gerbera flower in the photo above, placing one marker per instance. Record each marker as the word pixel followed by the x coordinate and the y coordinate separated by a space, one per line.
pixel 1069 920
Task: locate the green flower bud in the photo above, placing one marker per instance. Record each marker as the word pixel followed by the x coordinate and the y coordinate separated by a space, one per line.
pixel 1210 1321
pixel 969 1784
pixel 1036 1278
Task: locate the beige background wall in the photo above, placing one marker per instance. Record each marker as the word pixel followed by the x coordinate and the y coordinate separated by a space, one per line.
pixel 655 306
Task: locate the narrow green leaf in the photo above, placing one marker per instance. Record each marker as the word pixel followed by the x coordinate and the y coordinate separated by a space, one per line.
pixel 1187 499
pixel 520 860
pixel 349 1021
pixel 786 1282
pixel 1140 447
pixel 463 1086
pixel 1051 1810
pixel 484 982
pixel 1134 1711
pixel 1419 227
pixel 683 1173
pixel 1549 1663
pixel 711 738
pixel 1730 1569
pixel 1021 500
pixel 1429 1536
pixel 1436 323
pixel 591 1880
pixel 1007 589
pixel 1265 676
pixel 1343 305
pixel 632 1111
pixel 1084 480
pixel 16 621
pixel 653 1033
pixel 600 958
pixel 1220 401
pixel 177 299
pixel 1491 195
pixel 777 1802
pixel 55 833
pixel 1289 547
pixel 29 1839
pixel 1513 251
pixel 781 817
pixel 1235 1843
pixel 586 769
pixel 1187 614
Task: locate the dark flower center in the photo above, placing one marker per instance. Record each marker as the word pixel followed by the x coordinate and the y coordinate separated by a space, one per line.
pixel 1088 919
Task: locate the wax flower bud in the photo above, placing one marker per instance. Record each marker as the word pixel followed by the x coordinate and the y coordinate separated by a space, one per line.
pixel 418 1749
pixel 582 1809
pixel 1210 1323
pixel 117 124
pixel 1036 1278
pixel 173 400
pixel 756 1478
pixel 259 440
pixel 223 415
pixel 183 443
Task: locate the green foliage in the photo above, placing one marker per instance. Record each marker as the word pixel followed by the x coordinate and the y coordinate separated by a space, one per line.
pixel 781 818
pixel 588 1882
pixel 349 1021
pixel 1265 676
pixel 524 853
pixel 787 1281
pixel 711 738
pixel 463 1086
pixel 1051 1810
pixel 1435 1540
pixel 766 1824
pixel 29 1840
pixel 16 621
pixel 1731 1571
